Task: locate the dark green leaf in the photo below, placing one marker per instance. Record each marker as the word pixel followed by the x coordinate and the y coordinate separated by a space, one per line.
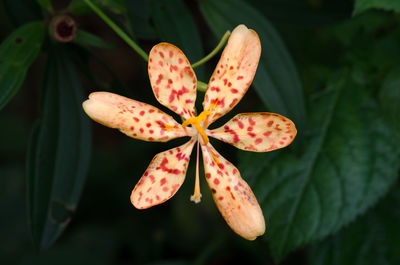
pixel 174 23
pixel 139 14
pixel 79 7
pixel 304 13
pixel 373 239
pixel 85 38
pixel 276 80
pixel 82 57
pixel 390 97
pixel 22 11
pixel 45 4
pixel 363 5
pixel 17 53
pixel 253 164
pixel 58 156
pixel 351 160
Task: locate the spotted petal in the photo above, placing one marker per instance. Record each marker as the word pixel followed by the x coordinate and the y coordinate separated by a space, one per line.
pixel 258 132
pixel 234 72
pixel 232 195
pixel 163 177
pixel 133 118
pixel 172 78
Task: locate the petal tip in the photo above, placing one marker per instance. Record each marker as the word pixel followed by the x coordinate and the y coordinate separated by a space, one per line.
pixel 254 229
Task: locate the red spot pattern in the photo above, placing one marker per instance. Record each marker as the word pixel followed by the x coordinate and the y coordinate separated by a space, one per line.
pixel 231 193
pixel 163 177
pixel 163 181
pixel 177 93
pixel 131 117
pixel 160 77
pixel 232 77
pixel 233 103
pixel 174 82
pixel 163 167
pixel 264 132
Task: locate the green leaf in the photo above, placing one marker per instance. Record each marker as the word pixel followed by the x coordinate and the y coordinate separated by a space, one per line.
pixel 388 5
pixel 276 80
pixel 79 7
pixel 175 25
pixel 45 4
pixel 22 11
pixel 372 239
pixel 85 39
pixel 140 20
pixel 390 97
pixel 58 156
pixel 352 158
pixel 253 164
pixel 304 13
pixel 17 53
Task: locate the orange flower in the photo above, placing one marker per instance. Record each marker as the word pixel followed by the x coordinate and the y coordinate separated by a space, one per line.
pixel 174 84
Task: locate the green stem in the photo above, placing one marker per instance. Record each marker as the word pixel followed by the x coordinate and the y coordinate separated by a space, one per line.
pixel 215 51
pixel 117 30
pixel 201 86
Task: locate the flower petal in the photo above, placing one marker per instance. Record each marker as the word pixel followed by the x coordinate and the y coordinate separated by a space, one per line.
pixel 133 118
pixel 163 177
pixel 232 195
pixel 258 132
pixel 234 72
pixel 172 78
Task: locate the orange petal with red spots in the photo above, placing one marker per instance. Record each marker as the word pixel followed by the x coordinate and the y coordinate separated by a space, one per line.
pixel 258 132
pixel 232 195
pixel 172 78
pixel 133 118
pixel 163 177
pixel 234 72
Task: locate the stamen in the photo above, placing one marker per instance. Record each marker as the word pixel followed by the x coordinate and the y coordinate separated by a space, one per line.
pixel 195 121
pixel 196 197
pixel 214 157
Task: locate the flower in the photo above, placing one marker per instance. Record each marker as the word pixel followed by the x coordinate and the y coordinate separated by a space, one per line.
pixel 174 85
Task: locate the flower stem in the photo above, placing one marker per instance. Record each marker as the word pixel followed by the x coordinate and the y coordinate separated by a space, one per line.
pixel 117 30
pixel 201 86
pixel 215 51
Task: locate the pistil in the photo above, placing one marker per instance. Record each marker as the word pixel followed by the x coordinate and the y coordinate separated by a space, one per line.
pixel 195 121
pixel 196 197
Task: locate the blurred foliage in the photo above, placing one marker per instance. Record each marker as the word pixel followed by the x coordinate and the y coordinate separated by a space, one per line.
pixel 372 239
pixel 389 5
pixel 17 53
pixel 330 198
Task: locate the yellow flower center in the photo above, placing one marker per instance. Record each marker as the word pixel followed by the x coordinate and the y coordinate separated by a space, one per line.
pixel 195 121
